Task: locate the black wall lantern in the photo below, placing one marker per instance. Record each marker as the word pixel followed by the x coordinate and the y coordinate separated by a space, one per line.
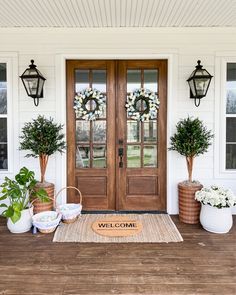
pixel 33 82
pixel 199 82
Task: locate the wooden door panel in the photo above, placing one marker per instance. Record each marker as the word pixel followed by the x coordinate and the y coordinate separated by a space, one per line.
pixel 96 184
pixel 142 187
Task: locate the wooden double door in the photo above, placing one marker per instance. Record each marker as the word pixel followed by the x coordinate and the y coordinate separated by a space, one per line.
pixel 116 162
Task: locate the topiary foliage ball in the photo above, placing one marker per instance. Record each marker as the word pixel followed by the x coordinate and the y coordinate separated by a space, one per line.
pixel 191 138
pixel 42 136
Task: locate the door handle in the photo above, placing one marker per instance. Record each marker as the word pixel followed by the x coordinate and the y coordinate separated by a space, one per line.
pixel 120 154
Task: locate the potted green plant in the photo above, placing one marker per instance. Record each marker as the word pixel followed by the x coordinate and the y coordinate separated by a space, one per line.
pixel 190 140
pixel 42 137
pixel 18 208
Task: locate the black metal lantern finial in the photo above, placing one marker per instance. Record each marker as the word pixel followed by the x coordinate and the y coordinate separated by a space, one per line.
pixel 199 82
pixel 33 82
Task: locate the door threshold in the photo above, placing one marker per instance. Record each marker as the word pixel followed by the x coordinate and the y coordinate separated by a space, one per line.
pixel 123 212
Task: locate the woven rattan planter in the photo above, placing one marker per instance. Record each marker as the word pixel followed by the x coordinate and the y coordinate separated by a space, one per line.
pixel 189 208
pixel 44 206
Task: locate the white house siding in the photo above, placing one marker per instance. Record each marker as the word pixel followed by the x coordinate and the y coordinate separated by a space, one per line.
pixel 183 47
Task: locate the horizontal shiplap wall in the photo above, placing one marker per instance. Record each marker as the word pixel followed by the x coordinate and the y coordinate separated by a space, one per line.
pixel 185 46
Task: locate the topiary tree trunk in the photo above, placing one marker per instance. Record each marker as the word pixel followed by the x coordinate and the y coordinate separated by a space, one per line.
pixel 190 168
pixel 43 160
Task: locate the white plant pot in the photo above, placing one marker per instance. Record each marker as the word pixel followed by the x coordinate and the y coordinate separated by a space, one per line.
pixel 24 224
pixel 216 220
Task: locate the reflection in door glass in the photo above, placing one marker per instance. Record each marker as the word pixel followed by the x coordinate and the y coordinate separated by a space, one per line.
pixel 150 80
pixel 99 156
pixel 99 80
pixel 133 80
pixel 150 156
pixel 133 131
pixel 133 156
pixel 82 156
pixel 150 131
pixel 99 131
pixel 82 131
pixel 81 79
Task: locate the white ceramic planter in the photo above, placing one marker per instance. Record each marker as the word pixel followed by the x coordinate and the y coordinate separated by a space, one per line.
pixel 24 224
pixel 216 220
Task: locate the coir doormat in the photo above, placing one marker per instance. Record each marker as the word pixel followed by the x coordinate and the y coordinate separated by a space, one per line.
pixel 98 228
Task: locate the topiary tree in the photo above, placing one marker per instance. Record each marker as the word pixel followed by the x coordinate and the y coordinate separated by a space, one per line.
pixel 191 140
pixel 43 138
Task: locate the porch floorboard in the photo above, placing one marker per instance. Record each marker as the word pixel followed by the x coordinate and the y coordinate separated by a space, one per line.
pixel 204 263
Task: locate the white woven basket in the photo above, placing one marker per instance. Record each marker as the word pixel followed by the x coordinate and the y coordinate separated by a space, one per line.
pixel 46 221
pixel 69 211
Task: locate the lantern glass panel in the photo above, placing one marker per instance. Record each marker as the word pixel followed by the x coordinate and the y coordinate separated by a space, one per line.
pixel 40 89
pixel 31 85
pixel 192 87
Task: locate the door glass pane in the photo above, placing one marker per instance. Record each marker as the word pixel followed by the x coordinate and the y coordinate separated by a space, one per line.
pixel 231 89
pixel 133 156
pixel 99 131
pixel 150 131
pixel 82 131
pixel 99 80
pixel 150 80
pixel 230 156
pixel 133 131
pixel 3 88
pixel 99 156
pixel 133 80
pixel 150 156
pixel 81 80
pixel 82 157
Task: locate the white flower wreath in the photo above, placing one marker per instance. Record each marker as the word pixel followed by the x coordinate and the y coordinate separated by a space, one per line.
pixel 151 104
pixel 85 96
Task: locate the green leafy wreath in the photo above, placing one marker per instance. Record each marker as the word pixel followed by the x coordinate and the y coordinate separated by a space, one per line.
pixel 81 101
pixel 150 103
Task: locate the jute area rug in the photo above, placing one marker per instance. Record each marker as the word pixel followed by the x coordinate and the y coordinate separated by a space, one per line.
pixel 156 228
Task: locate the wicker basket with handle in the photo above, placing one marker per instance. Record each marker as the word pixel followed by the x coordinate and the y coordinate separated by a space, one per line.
pixel 43 225
pixel 69 211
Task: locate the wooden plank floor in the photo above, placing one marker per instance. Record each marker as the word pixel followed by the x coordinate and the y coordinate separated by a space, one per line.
pixel 203 264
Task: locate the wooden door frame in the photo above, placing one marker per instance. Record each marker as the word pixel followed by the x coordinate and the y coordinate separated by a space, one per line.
pixel 60 69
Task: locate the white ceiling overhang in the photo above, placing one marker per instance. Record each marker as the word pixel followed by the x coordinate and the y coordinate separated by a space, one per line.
pixel 117 13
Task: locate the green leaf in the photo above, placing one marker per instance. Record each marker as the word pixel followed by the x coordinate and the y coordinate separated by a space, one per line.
pixel 24 176
pixel 9 212
pixel 3 205
pixel 3 197
pixel 42 195
pixel 16 216
pixel 17 207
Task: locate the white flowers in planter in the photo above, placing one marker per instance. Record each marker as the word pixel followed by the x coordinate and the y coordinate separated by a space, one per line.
pixel 216 196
